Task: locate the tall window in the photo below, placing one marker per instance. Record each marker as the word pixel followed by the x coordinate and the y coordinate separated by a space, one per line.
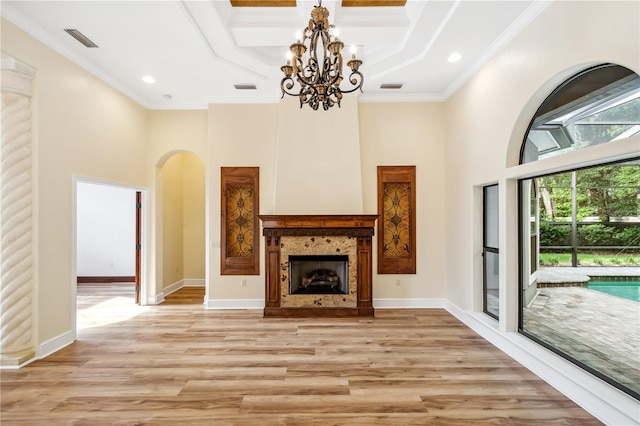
pixel 580 230
pixel 491 290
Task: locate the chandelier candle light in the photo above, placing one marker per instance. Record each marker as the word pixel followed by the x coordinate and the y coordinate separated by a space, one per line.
pixel 319 78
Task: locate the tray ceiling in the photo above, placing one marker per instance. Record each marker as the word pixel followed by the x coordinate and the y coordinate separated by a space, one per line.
pixel 198 51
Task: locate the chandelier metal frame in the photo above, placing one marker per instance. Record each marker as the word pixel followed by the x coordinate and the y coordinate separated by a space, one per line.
pixel 320 77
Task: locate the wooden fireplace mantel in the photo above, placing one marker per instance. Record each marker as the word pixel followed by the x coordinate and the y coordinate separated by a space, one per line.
pixel 361 227
pixel 318 221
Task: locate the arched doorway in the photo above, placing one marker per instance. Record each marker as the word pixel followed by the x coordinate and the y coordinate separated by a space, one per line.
pixel 181 229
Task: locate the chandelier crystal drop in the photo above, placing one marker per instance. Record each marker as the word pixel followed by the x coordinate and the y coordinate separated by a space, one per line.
pixel 318 69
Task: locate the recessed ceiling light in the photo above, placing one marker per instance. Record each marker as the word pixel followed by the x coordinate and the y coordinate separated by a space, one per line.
pixel 454 57
pixel 148 79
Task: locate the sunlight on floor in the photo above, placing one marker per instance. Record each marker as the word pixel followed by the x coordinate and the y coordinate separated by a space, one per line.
pixel 110 311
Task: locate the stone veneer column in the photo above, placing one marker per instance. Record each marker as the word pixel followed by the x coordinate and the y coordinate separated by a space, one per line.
pixel 16 215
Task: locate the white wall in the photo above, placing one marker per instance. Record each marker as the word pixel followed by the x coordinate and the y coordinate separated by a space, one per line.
pixel 106 226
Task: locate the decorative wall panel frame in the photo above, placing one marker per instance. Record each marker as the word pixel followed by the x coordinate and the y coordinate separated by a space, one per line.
pixel 239 222
pixel 397 222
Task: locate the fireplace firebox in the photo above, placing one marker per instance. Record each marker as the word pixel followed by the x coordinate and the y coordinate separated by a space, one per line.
pixel 319 274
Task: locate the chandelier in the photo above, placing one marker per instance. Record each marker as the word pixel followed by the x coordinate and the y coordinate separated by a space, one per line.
pixel 319 73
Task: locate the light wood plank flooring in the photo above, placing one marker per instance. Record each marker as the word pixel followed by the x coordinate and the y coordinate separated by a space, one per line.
pixel 177 364
pixel 186 296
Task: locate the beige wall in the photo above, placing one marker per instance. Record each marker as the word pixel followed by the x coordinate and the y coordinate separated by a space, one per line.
pixel 389 134
pixel 194 218
pixel 409 134
pixel 318 159
pixel 169 133
pixel 239 135
pixel 172 221
pixel 487 118
pixel 84 127
pixel 183 219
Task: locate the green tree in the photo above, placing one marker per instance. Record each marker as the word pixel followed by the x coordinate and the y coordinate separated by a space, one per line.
pixel 608 191
pixel 603 191
pixel 555 195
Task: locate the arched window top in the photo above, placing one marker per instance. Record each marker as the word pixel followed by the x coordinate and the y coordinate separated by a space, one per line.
pixel 598 105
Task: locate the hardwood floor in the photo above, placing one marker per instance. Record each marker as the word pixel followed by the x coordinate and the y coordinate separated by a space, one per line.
pixel 177 364
pixel 186 296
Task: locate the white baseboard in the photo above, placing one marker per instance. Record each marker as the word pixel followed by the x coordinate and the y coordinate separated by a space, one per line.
pixel 603 401
pixel 235 304
pixel 378 303
pixel 189 282
pixel 55 344
pixel 408 303
pixel 155 300
pixel 193 282
pixel 172 287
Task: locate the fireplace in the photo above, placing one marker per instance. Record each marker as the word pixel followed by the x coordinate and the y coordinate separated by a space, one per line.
pixel 319 274
pixel 318 265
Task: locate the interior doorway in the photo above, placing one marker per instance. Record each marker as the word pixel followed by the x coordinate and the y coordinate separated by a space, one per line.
pixel 109 247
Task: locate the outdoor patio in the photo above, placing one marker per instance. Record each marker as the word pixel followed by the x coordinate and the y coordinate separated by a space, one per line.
pixel 597 329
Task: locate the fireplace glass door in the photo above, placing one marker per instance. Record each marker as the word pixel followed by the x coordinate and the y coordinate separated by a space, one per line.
pixel 319 274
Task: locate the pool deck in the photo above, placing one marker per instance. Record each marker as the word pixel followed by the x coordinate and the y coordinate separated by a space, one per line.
pixel 598 329
pixel 567 276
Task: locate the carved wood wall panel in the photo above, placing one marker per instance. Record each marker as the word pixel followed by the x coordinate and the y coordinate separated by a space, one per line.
pixel 397 224
pixel 239 241
pixel 239 220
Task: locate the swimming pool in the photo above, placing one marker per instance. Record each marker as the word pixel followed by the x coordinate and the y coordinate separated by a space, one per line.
pixel 627 289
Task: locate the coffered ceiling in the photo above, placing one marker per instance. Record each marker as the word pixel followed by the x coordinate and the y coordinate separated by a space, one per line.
pixel 198 51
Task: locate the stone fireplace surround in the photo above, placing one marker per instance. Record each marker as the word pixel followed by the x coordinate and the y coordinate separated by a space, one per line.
pixel 318 235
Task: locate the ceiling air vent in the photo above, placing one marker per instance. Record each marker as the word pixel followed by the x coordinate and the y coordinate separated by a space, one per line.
pixel 245 86
pixel 80 37
pixel 391 86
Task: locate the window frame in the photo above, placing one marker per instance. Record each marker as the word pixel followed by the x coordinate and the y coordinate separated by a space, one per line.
pixel 488 249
